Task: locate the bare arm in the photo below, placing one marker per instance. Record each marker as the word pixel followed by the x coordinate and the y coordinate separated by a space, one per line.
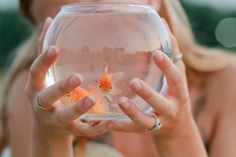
pixel 20 123
pixel 19 117
pixel 185 143
pixel 223 140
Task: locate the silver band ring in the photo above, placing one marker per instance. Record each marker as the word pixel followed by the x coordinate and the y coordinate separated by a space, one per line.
pixel 40 105
pixel 157 125
pixel 177 57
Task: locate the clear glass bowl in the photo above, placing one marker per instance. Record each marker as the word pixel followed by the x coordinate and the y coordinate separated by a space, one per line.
pixel 108 44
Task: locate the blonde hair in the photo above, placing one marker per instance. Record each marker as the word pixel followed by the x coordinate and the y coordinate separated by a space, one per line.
pixel 196 57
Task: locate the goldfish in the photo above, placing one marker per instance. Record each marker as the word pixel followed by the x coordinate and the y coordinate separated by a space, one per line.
pixel 80 93
pixel 74 96
pixel 107 84
pixel 103 91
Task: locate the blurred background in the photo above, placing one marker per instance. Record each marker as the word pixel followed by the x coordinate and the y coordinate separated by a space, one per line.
pixel 213 22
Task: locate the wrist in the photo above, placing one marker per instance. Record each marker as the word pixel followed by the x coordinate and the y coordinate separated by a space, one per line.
pixel 183 141
pixel 47 144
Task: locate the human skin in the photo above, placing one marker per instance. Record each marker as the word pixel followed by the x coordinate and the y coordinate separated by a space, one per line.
pixel 206 120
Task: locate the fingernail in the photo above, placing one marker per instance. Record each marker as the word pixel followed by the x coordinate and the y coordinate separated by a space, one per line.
pixel 158 55
pixel 45 23
pixel 74 81
pixel 51 52
pixel 48 19
pixel 163 19
pixel 94 123
pixel 89 101
pixel 135 84
pixel 123 101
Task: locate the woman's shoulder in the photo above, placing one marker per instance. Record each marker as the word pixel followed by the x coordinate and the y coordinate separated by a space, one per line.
pixel 16 89
pixel 222 87
pixel 225 77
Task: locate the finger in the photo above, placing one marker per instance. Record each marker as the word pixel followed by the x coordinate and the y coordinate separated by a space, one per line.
pixel 51 94
pixel 124 126
pixel 47 23
pixel 174 42
pixel 84 129
pixel 174 76
pixel 175 47
pixel 94 122
pixel 139 117
pixel 71 113
pixel 158 102
pixel 39 68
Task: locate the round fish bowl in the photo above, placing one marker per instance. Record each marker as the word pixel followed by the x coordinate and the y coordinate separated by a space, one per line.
pixel 108 44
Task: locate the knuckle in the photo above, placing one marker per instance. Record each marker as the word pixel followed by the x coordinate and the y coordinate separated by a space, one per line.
pixel 130 110
pixel 40 41
pixel 148 95
pixel 64 88
pixel 167 108
pixel 171 112
pixel 26 88
pixel 174 40
pixel 33 71
pixel 166 64
pixel 178 79
pixel 61 120
pixel 172 115
pixel 184 100
pixel 43 100
pixel 77 110
pixel 26 91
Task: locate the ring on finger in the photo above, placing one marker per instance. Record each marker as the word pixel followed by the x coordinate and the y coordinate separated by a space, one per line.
pixel 157 125
pixel 177 57
pixel 39 105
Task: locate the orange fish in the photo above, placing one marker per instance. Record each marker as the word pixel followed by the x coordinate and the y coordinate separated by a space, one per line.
pixel 78 94
pixel 107 84
pixel 74 96
pixel 105 81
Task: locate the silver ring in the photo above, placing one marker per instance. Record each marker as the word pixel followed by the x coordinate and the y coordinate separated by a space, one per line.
pixel 40 105
pixel 157 125
pixel 177 57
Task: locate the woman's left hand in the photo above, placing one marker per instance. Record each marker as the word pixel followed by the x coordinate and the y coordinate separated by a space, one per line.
pixel 172 109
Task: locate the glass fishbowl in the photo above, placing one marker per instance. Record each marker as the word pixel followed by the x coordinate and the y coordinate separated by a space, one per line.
pixel 108 44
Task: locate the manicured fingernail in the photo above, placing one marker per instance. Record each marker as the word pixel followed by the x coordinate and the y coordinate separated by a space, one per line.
pixel 89 101
pixel 135 84
pixel 74 80
pixel 51 52
pixel 158 55
pixel 123 101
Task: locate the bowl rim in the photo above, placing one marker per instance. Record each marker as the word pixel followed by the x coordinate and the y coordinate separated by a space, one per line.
pixel 111 5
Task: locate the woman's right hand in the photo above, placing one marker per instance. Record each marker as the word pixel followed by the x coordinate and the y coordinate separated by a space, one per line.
pixel 54 120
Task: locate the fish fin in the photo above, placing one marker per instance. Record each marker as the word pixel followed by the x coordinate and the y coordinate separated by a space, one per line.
pixel 106 101
pixel 117 76
pixel 109 98
pixel 115 91
pixel 106 68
